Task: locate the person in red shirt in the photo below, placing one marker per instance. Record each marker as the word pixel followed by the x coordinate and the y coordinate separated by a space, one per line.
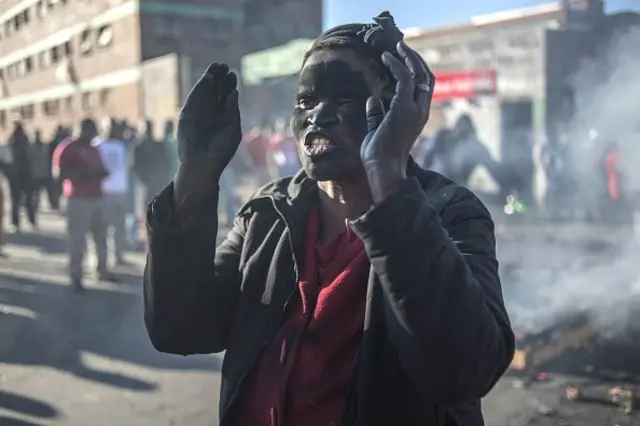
pixel 78 163
pixel 257 148
pixel 363 291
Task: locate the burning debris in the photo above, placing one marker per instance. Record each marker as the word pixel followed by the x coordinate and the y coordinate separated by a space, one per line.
pixel 535 351
pixel 593 373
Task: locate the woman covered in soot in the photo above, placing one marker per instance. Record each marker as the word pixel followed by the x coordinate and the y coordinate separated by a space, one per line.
pixel 362 291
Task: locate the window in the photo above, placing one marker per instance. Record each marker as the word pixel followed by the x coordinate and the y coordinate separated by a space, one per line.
pixel 68 103
pixel 449 52
pixel 51 107
pixel 160 27
pixel 505 61
pixel 56 54
pixel 27 112
pixel 483 63
pixel 214 29
pixel 480 46
pixel 68 49
pixel 41 9
pixel 86 43
pixel 3 119
pixel 104 96
pixel 11 72
pixel 28 64
pixel 86 101
pixel 167 27
pixel 523 41
pixel 176 29
pixel 22 69
pixel 104 36
pixel 44 59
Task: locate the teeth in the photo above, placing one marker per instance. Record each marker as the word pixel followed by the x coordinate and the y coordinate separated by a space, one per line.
pixel 321 142
pixel 317 149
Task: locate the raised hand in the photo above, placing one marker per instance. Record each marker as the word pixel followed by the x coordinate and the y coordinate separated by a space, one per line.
pixel 209 130
pixel 385 150
pixel 209 133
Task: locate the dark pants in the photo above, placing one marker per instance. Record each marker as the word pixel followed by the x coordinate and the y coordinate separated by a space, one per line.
pixel 22 194
pixel 54 192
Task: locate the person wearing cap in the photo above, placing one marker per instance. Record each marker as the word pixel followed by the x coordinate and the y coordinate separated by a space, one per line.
pixel 82 171
pixel 362 291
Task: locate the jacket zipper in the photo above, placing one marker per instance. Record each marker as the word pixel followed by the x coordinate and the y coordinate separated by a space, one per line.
pixel 255 355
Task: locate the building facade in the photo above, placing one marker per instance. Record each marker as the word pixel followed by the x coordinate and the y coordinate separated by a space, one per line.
pixel 271 23
pixel 62 60
pixel 530 55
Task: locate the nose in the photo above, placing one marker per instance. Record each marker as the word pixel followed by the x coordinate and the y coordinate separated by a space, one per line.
pixel 324 116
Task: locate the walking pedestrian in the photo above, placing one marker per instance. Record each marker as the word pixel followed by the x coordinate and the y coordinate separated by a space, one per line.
pixel 115 188
pixel 21 179
pixel 151 162
pixel 40 168
pixel 54 190
pixel 82 171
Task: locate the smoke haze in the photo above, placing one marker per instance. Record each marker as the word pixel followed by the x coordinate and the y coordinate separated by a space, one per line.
pixel 585 268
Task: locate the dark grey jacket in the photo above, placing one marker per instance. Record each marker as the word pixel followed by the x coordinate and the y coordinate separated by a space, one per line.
pixel 437 336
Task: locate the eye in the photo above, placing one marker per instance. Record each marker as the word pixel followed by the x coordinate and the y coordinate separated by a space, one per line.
pixel 305 102
pixel 346 101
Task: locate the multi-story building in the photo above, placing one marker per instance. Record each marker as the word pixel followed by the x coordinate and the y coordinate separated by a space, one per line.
pixel 61 60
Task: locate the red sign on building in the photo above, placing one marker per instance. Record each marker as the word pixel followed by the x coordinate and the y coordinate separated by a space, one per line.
pixel 464 84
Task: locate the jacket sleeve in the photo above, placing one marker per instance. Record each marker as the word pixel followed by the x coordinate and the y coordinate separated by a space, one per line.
pixel 444 310
pixel 190 287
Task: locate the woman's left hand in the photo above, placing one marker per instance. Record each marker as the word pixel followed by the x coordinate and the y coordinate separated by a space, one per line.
pixel 392 134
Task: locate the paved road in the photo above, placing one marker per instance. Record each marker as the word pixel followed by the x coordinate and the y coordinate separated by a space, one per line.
pixel 85 360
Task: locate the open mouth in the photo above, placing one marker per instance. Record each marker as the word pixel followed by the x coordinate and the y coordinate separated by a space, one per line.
pixel 315 145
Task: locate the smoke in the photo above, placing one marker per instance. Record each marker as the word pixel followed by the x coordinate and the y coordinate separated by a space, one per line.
pixel 584 268
pixel 606 105
pixel 547 281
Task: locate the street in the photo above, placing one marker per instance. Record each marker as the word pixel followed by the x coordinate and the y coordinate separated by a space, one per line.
pixel 85 359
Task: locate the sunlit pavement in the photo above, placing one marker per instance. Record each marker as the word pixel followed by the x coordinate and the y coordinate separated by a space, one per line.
pixel 84 359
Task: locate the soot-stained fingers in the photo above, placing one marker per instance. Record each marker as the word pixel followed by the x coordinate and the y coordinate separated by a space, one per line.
pixel 412 61
pixel 405 85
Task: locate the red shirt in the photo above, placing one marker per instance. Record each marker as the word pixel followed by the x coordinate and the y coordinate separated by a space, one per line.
pixel 303 375
pixel 257 147
pixel 612 166
pixel 76 155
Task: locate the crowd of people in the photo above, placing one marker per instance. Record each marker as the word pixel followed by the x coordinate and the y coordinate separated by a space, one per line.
pixel 98 177
pixel 457 151
pixel 131 167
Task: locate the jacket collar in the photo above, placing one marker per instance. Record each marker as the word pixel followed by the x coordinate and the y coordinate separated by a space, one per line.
pixel 302 186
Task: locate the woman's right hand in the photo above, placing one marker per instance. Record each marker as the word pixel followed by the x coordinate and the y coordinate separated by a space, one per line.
pixel 208 133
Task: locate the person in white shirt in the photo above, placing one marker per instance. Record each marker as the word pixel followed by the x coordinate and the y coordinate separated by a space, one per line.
pixel 115 188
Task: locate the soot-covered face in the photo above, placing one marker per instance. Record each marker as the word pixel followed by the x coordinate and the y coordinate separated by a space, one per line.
pixel 329 118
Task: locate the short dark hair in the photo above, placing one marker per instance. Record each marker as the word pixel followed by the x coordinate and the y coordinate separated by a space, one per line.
pixel 88 126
